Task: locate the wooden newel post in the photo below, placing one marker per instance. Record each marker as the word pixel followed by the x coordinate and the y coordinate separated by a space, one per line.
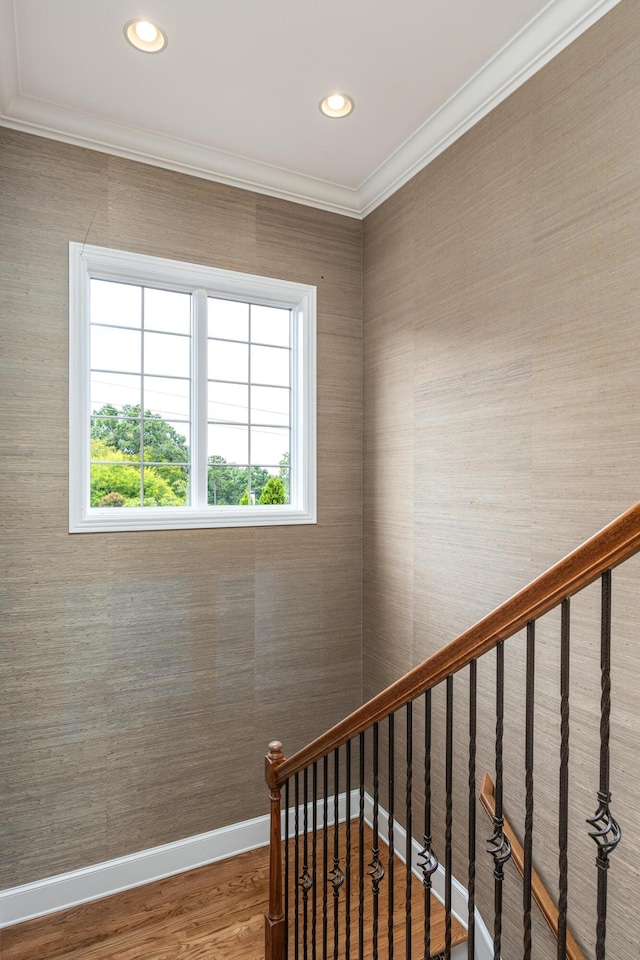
pixel 275 922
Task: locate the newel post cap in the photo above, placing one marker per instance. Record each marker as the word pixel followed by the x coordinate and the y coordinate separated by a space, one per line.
pixel 273 759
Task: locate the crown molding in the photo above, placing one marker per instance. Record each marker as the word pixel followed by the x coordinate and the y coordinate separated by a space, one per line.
pixel 543 38
pixel 84 130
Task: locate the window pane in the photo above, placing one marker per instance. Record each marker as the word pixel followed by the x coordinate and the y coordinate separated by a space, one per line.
pixel 119 303
pixel 270 487
pixel 270 325
pixel 167 398
pixel 269 445
pixel 228 361
pixel 115 439
pixel 166 442
pixel 270 365
pixel 166 355
pixel 230 443
pixel 114 349
pixel 166 486
pixel 115 485
pixel 167 310
pixel 227 485
pixel 270 405
pixel 114 390
pixel 228 319
pixel 285 476
pixel 228 401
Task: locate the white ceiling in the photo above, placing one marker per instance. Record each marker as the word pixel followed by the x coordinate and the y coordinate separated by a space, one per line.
pixel 235 95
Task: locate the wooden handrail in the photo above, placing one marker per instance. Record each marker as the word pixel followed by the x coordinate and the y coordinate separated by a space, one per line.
pixel 538 890
pixel 611 546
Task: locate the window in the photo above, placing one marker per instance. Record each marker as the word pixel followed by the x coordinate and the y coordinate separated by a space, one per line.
pixel 192 395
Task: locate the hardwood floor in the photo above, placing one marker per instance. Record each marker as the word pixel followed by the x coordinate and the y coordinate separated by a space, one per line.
pixel 215 913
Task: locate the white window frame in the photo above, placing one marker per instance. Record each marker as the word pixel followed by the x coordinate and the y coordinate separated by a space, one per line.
pixel 91 262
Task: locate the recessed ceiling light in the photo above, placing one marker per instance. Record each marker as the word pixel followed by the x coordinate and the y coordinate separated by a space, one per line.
pixel 336 105
pixel 145 36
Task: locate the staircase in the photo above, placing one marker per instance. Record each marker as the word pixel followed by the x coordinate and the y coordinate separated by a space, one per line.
pixel 355 870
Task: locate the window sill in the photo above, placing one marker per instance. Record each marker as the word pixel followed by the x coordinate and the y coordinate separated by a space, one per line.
pixel 123 519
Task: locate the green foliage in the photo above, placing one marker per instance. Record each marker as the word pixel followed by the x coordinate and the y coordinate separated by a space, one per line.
pixel 120 478
pixel 112 500
pixel 226 482
pixel 161 441
pixel 273 491
pixel 118 484
pixel 259 477
pixel 285 476
pixel 120 440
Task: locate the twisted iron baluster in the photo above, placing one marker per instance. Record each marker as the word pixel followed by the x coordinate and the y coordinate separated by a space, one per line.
pixel 528 821
pixel 325 851
pixel 390 902
pixel 296 862
pixel 286 869
pixel 408 850
pixel 377 870
pixel 473 726
pixel 361 855
pixel 606 831
pixel 314 863
pixel 499 846
pixel 563 818
pixel 448 821
pixel 347 889
pixel 427 860
pixel 305 877
pixel 336 877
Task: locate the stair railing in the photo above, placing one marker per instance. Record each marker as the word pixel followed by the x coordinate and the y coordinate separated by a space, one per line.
pixel 300 924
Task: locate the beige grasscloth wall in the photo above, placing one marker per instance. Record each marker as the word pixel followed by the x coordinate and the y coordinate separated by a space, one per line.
pixel 502 428
pixel 142 674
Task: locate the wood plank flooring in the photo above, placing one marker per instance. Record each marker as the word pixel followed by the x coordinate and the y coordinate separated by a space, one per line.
pixel 216 913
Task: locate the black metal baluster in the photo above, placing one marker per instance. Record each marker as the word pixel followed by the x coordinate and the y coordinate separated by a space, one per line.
pixel 377 870
pixel 361 855
pixel 336 876
pixel 563 818
pixel 499 846
pixel 427 860
pixel 448 821
pixel 347 887
pixel 390 902
pixel 305 877
pixel 296 862
pixel 408 850
pixel 325 853
pixel 606 832
pixel 314 864
pixel 286 869
pixel 473 729
pixel 528 820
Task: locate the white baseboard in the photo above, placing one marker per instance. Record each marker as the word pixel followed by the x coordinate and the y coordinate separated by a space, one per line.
pixel 102 879
pixel 65 890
